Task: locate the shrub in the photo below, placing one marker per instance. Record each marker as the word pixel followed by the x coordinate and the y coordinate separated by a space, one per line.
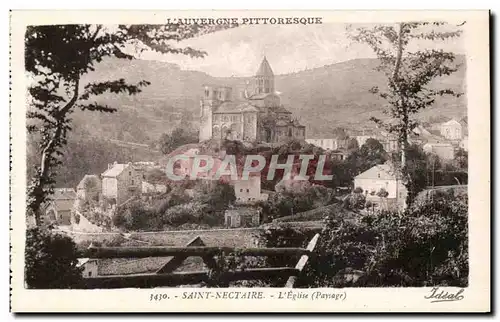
pixel 425 246
pixel 382 193
pixel 51 260
pixel 358 190
pixel 354 201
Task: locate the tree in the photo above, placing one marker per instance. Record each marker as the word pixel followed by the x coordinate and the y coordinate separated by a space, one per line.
pixel 370 154
pixel 409 73
pixel 156 175
pixel 56 58
pixel 51 260
pixel 352 144
pixel 178 137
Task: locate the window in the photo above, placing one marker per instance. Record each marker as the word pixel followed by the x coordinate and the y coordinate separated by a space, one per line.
pixel 248 190
pixel 90 274
pixel 130 173
pixel 206 93
pixel 241 190
pixel 132 181
pixel 379 175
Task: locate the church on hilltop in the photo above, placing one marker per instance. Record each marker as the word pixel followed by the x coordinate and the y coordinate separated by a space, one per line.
pixel 257 117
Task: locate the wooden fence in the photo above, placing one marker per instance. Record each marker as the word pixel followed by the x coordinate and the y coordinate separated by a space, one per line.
pixel 165 275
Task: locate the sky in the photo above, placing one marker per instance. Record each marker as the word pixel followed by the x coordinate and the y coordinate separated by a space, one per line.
pixel 288 48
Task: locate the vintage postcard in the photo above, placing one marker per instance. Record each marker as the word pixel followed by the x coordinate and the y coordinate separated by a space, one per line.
pixel 250 161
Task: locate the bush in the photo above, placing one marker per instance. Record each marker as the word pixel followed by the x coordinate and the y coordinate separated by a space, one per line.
pixel 193 213
pixel 425 246
pixel 134 215
pixel 51 260
pixel 358 190
pixel 354 201
pixel 382 193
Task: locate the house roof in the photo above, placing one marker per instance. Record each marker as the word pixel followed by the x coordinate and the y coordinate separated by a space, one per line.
pixel 381 171
pixel 86 178
pixel 264 69
pixel 64 194
pixel 451 122
pixel 115 171
pixel 82 261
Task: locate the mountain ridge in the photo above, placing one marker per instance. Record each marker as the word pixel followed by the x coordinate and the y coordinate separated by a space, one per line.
pixel 322 98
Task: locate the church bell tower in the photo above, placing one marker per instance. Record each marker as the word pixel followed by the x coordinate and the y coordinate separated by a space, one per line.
pixel 264 78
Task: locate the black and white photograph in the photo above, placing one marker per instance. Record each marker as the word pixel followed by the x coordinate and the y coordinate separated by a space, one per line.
pixel 219 154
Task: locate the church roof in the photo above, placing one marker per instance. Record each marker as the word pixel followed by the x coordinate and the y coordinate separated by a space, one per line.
pixel 227 107
pixel 235 107
pixel 245 107
pixel 281 109
pixel 259 96
pixel 265 69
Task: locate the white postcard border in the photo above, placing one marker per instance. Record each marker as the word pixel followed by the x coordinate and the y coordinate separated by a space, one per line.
pixel 476 296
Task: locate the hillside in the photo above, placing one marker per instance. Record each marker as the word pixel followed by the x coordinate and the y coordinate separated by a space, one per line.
pixel 322 98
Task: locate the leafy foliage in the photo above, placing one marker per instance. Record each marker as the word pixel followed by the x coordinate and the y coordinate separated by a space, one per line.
pixel 370 154
pixel 177 209
pixel 409 74
pixel 425 246
pixel 56 58
pixel 178 137
pixel 50 260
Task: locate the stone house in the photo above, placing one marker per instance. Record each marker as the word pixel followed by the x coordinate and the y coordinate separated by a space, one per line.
pixel 153 188
pixel 122 181
pixel 60 206
pixel 382 177
pixel 242 217
pixel 331 144
pixel 452 130
pixel 249 191
pixel 90 267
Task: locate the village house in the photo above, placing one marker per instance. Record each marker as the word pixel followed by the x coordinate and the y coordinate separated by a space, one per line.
pixel 90 267
pixel 89 188
pixel 242 217
pixel 249 191
pixel 153 188
pixel 444 151
pixel 331 144
pixel 382 177
pixel 452 130
pixel 122 181
pixel 58 209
